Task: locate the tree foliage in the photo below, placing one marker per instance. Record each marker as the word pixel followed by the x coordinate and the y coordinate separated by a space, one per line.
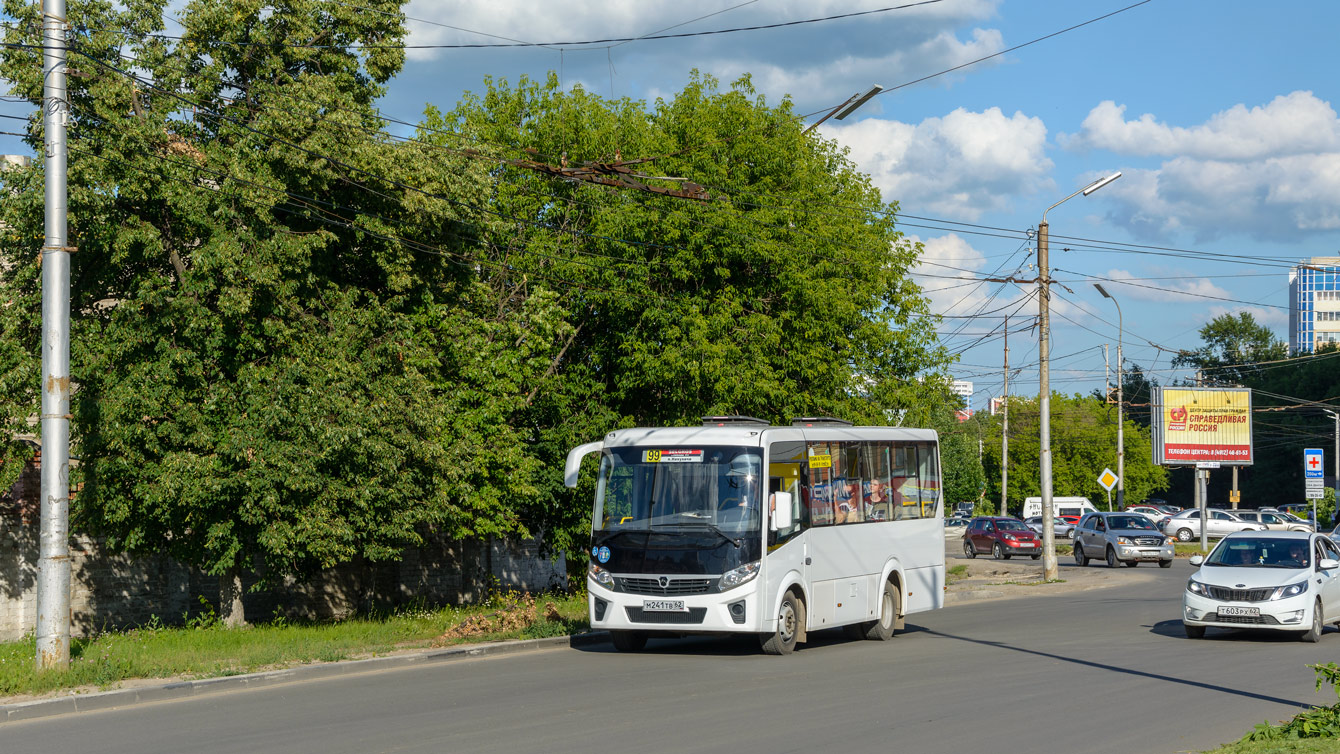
pixel 300 342
pixel 1083 443
pixel 1233 345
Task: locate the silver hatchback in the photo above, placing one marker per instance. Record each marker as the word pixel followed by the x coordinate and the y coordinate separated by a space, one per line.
pixel 1128 538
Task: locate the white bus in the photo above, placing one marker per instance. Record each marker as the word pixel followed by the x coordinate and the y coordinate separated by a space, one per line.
pixel 737 526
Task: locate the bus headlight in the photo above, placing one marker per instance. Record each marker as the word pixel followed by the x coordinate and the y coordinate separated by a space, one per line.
pixel 737 576
pixel 602 577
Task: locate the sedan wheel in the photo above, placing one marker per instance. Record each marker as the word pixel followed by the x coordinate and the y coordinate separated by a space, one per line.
pixel 1184 535
pixel 969 549
pixel 1318 625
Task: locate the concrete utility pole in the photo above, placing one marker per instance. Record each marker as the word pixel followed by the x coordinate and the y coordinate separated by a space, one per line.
pixel 1049 570
pixel 1005 430
pixel 53 569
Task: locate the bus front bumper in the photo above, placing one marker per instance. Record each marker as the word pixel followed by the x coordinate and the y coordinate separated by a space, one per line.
pixel 736 611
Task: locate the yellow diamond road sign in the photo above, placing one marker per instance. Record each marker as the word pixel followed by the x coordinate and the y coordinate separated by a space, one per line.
pixel 1107 479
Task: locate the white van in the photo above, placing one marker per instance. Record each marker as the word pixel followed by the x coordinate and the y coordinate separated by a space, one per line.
pixel 1061 506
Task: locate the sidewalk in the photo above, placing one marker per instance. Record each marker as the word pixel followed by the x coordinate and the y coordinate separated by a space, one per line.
pixel 1022 577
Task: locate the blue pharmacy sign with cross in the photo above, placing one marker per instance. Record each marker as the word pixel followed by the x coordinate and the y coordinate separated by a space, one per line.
pixel 1313 468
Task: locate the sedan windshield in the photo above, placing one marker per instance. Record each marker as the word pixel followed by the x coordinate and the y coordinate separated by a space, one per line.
pixel 1260 552
pixel 704 486
pixel 1129 522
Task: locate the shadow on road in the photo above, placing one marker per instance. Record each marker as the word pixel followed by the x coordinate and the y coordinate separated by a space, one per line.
pixel 1127 671
pixel 1173 629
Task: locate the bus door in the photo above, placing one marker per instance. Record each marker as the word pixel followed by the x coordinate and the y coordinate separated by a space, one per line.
pixel 839 578
pixel 788 548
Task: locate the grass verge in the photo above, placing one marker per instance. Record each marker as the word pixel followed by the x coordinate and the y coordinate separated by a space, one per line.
pixel 205 649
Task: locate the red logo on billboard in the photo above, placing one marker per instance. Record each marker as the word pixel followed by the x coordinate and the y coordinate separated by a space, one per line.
pixel 1177 418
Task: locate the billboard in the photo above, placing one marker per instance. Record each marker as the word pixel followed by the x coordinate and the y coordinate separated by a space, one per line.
pixel 1203 424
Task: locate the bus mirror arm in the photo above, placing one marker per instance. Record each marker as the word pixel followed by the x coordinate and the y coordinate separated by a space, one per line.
pixel 574 463
pixel 781 510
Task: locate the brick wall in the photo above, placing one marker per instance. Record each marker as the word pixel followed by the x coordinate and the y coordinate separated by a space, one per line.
pixel 110 590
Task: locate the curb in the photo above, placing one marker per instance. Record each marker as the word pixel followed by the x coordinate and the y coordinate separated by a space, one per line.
pixel 104 700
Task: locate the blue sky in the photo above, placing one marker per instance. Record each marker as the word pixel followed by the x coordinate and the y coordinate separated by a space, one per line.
pixel 1220 114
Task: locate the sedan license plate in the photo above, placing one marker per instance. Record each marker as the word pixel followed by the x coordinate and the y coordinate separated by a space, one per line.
pixel 1228 610
pixel 664 606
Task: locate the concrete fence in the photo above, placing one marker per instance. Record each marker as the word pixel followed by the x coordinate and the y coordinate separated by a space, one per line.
pixel 111 590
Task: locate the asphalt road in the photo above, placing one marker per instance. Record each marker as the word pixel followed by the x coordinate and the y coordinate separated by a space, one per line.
pixel 1106 670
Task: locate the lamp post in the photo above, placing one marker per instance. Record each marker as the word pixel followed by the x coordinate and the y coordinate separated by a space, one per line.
pixel 1049 572
pixel 1121 444
pixel 847 108
pixel 1336 416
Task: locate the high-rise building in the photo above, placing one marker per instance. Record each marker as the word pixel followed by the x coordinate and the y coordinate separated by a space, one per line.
pixel 1314 304
pixel 963 389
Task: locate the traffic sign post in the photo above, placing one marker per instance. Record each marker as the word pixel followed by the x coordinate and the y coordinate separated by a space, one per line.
pixel 1108 480
pixel 1314 472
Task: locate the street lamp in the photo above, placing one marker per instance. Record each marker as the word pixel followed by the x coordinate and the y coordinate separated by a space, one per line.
pixel 847 108
pixel 1049 572
pixel 1121 444
pixel 1336 416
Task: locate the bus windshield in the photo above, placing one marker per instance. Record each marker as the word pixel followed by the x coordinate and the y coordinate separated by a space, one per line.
pixel 679 487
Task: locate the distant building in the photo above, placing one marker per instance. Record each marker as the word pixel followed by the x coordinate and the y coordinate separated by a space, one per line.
pixel 963 389
pixel 997 405
pixel 1314 304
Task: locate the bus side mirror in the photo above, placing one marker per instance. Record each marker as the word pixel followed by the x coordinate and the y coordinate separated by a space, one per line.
pixel 781 510
pixel 574 462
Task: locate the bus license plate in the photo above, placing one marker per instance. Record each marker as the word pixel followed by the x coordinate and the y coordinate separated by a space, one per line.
pixel 1252 611
pixel 664 606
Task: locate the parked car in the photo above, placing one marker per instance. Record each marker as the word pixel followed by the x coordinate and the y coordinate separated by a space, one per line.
pixel 1157 515
pixel 1002 537
pixel 1274 521
pixel 1060 527
pixel 1128 538
pixel 954 527
pixel 1275 580
pixel 1186 525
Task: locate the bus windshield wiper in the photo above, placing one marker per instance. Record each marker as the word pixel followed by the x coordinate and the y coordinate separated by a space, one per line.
pixel 701 519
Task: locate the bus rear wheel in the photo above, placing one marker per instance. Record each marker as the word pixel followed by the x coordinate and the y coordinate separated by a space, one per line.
pixel 883 628
pixel 790 616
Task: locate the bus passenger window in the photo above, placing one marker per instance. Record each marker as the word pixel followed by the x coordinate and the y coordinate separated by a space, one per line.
pixel 821 459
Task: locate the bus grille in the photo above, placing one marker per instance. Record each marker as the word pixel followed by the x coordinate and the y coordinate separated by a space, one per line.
pixel 673 586
pixel 694 616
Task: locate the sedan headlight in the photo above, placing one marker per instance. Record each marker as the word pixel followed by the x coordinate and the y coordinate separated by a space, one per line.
pixel 1123 540
pixel 737 576
pixel 1195 587
pixel 1292 590
pixel 602 576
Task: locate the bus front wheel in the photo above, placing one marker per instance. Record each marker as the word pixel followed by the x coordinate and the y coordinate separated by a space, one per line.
pixel 628 641
pixel 789 618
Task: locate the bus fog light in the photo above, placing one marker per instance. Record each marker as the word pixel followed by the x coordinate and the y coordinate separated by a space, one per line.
pixel 737 576
pixel 601 606
pixel 737 611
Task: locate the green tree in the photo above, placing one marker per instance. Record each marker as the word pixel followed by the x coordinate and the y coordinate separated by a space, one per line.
pixel 257 348
pixel 786 293
pixel 1083 443
pixel 1233 346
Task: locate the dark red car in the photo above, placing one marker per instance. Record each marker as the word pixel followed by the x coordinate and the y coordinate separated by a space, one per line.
pixel 1002 537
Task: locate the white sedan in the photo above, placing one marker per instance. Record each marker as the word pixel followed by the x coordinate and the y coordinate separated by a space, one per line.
pixel 1186 525
pixel 1275 580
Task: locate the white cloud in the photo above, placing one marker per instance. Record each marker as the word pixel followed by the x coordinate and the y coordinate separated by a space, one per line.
pixel 961 165
pixel 1296 123
pixel 1270 172
pixel 1149 290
